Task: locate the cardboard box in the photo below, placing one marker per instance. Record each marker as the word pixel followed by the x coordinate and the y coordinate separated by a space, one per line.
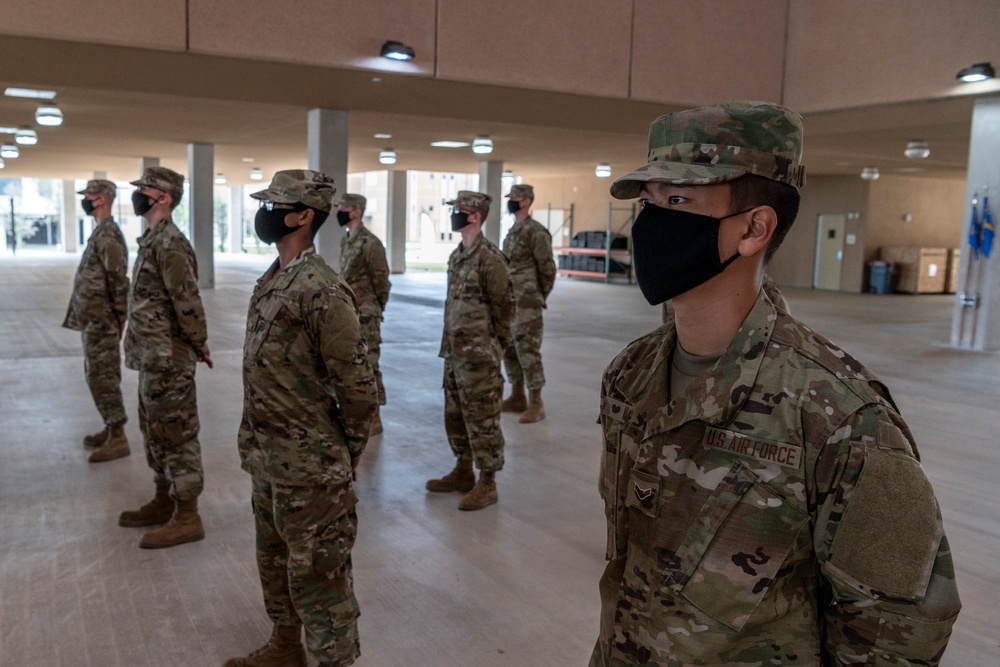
pixel 921 270
pixel 951 282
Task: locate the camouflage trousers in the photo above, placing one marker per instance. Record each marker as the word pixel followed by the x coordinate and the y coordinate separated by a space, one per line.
pixel 304 540
pixel 102 364
pixel 472 397
pixel 371 329
pixel 523 359
pixel 168 418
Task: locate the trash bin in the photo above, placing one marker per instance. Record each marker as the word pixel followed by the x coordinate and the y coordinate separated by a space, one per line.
pixel 882 277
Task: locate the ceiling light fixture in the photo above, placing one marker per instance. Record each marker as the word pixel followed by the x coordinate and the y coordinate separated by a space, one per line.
pixel 978 72
pixel 382 135
pixel 388 156
pixel 9 151
pixel 482 145
pixel 246 159
pixel 870 173
pixel 450 144
pixel 26 136
pixel 8 130
pixel 49 115
pixel 220 179
pixel 603 170
pixel 1 164
pixel 397 51
pixel 256 174
pixel 30 93
pixel 507 174
pixel 917 150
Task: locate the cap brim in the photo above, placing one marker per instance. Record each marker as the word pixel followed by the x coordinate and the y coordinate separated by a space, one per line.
pixel 270 195
pixel 675 173
pixel 82 192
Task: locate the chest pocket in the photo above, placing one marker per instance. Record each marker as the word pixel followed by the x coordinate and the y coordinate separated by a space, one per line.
pixel 266 324
pixel 742 538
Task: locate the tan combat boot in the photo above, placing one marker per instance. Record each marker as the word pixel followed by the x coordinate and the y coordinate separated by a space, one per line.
pixel 462 478
pixel 284 649
pixel 536 408
pixel 157 511
pixel 482 495
pixel 376 423
pixel 95 439
pixel 184 527
pixel 115 447
pixel 516 401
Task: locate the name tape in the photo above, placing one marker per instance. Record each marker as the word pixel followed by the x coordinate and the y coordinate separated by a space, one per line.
pixel 789 456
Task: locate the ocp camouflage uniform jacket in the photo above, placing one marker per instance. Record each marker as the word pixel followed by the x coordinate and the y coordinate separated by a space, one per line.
pixel 479 310
pixel 166 320
pixel 775 513
pixel 364 268
pixel 308 391
pixel 528 247
pixel 100 289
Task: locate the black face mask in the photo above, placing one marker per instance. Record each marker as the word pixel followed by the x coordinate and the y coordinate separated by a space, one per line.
pixel 142 203
pixel 88 206
pixel 270 225
pixel 675 251
pixel 459 221
pixel 343 217
pixel 513 206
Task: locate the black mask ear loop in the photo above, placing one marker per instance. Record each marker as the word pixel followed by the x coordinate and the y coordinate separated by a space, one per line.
pixel 736 256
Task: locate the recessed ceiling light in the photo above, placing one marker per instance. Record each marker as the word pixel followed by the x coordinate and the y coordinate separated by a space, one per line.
pixel 450 144
pixel 7 130
pixel 910 170
pixel 376 79
pixel 30 93
pixel 247 159
pixel 383 135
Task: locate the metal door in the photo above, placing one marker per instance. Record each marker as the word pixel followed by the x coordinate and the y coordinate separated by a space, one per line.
pixel 829 251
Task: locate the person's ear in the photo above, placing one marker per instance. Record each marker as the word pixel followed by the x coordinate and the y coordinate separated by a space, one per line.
pixel 759 230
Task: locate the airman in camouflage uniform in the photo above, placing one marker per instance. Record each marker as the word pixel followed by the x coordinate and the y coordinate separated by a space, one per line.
pixel 528 248
pixel 364 268
pixel 308 400
pixel 165 339
pixel 769 287
pixel 98 308
pixel 765 500
pixel 478 314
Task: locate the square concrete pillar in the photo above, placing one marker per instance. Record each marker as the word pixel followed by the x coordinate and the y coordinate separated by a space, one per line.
pixel 490 173
pixel 236 219
pixel 327 141
pixel 147 162
pixel 69 225
pixel 201 163
pixel 395 223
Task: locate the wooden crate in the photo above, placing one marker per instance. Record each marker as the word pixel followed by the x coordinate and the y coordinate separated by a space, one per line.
pixel 951 282
pixel 920 270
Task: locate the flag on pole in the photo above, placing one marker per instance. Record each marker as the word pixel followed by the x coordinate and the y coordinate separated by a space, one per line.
pixel 975 229
pixel 987 225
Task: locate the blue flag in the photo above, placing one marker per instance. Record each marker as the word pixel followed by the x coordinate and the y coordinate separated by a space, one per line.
pixel 975 230
pixel 987 226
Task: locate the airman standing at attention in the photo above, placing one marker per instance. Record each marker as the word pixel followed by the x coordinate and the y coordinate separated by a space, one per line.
pixel 308 401
pixel 166 337
pixel 478 313
pixel 99 308
pixel 528 248
pixel 363 267
pixel 765 500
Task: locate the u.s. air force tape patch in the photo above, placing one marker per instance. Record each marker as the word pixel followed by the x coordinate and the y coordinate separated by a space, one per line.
pixel 784 454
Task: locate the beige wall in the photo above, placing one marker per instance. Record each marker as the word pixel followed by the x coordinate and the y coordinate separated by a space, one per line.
pixel 589 197
pixel 936 205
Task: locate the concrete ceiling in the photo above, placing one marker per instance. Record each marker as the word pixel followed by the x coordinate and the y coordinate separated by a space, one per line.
pixel 121 104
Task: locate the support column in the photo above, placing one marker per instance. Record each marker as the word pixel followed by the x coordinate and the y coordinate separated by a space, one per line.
pixel 976 323
pixel 395 222
pixel 236 219
pixel 100 175
pixel 201 163
pixel 69 226
pixel 490 173
pixel 327 134
pixel 147 162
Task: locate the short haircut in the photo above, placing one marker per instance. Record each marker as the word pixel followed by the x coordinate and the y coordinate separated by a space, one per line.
pixel 319 217
pixel 751 190
pixel 175 199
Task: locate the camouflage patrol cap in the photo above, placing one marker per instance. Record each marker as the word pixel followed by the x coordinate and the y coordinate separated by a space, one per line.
pixel 162 178
pixel 99 186
pixel 718 143
pixel 476 200
pixel 353 201
pixel 522 191
pixel 300 186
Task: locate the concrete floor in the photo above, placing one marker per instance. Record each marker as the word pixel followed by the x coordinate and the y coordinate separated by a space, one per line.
pixel 513 585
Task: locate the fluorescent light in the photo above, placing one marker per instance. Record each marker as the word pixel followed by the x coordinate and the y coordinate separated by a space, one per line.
pixel 978 72
pixel 1 163
pixel 388 156
pixel 603 170
pixel 383 135
pixel 30 93
pixel 9 151
pixel 256 174
pixel 49 115
pixel 397 51
pixel 482 145
pixel 26 136
pixel 220 179
pixel 870 173
pixel 917 150
pixel 8 130
pixel 246 159
pixel 450 144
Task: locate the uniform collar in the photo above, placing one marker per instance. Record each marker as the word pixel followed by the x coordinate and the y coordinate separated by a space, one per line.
pixel 152 232
pixel 275 279
pixel 461 252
